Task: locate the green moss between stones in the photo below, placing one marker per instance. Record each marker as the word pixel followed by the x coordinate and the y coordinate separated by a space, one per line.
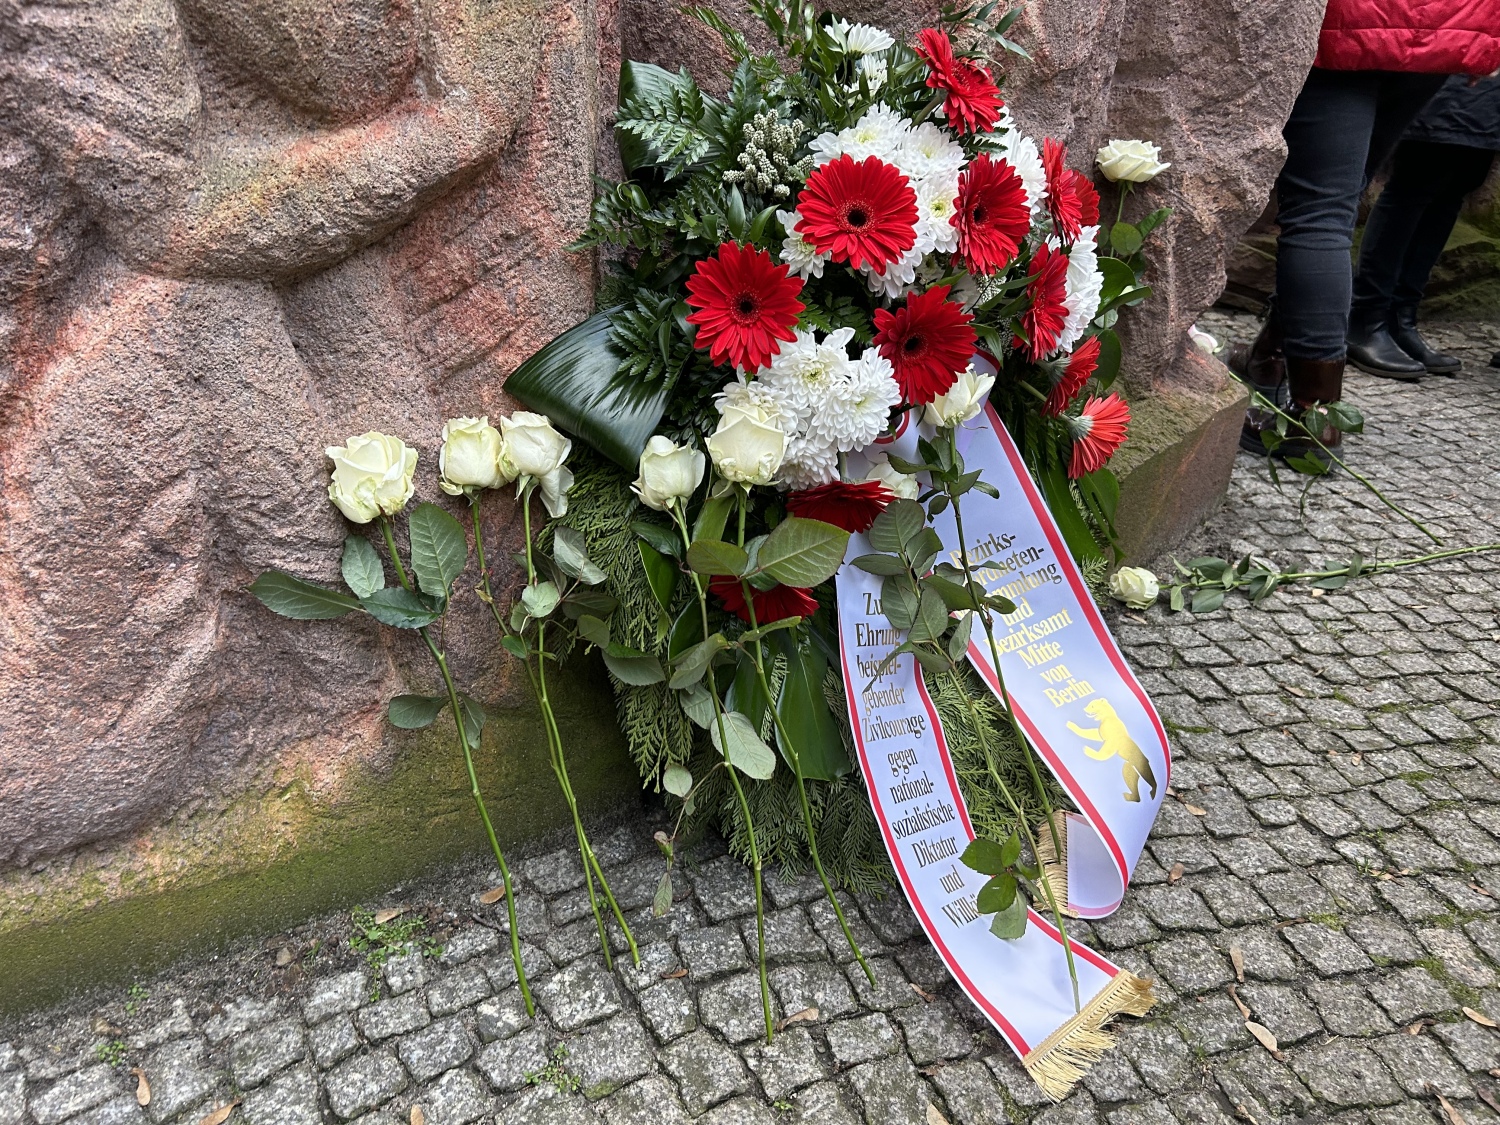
pixel 269 861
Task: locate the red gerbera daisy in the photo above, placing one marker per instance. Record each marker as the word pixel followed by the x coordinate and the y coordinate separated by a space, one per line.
pixel 1097 433
pixel 745 303
pixel 775 604
pixel 852 506
pixel 1072 377
pixel 1043 319
pixel 1071 198
pixel 928 341
pixel 992 215
pixel 973 103
pixel 859 212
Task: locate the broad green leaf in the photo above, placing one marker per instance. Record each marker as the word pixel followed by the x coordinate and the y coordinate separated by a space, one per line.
pixel 984 856
pixel 591 629
pixel 931 620
pixel 880 564
pixel 439 549
pixel 540 599
pixel 1206 601
pixel 661 901
pixel 1010 923
pixel 514 645
pixel 677 780
pixel 743 747
pixel 802 552
pixel 1054 486
pixel 630 666
pixel 302 601
pixel 714 556
pixel 901 521
pixel 661 573
pixel 475 716
pixel 399 607
pixel 571 551
pixel 594 602
pixel 415 712
pixel 1010 851
pixel 744 694
pixel 713 516
pixel 695 661
pixel 898 601
pixel 1124 239
pixel 955 596
pixel 664 539
pixel 363 572
pixel 997 894
pixel 958 640
pixel 805 716
pixel 1110 354
pixel 697 704
pixel 575 381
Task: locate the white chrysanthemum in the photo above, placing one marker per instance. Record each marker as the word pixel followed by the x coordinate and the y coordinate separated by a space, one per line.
pixel 809 462
pixel 807 372
pixel 860 38
pixel 878 133
pixel 900 275
pixel 1022 155
pixel 1084 285
pixel 929 151
pixel 802 256
pixel 743 392
pixel 937 197
pixel 859 409
pixel 874 70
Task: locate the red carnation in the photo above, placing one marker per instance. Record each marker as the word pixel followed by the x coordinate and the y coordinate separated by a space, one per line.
pixel 745 303
pixel 1071 198
pixel 1097 433
pixel 1043 318
pixel 992 215
pixel 973 103
pixel 775 604
pixel 861 213
pixel 928 341
pixel 1074 375
pixel 851 506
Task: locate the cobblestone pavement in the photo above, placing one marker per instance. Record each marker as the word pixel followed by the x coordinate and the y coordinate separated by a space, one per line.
pixel 1328 865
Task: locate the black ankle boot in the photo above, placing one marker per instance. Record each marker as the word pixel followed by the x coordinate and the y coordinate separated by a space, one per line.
pixel 1409 340
pixel 1373 351
pixel 1262 365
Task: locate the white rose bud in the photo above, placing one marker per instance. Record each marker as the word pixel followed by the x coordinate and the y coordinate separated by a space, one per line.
pixel 534 447
pixel 1134 162
pixel 904 487
pixel 669 473
pixel 1135 586
pixel 554 488
pixel 372 476
pixel 964 400
pixel 472 457
pixel 749 444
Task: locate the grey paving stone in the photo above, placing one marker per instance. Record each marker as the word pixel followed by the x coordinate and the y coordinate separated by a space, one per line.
pixel 669 1010
pixel 972 1094
pixel 260 1054
pixel 1459 959
pixel 714 952
pixel 890 1090
pixel 237 1017
pixel 1411 993
pixel 468 943
pixel 1212 1025
pixel 1113 1079
pixel 180 1077
pixel 117 1111
pixel 333 1041
pixel 290 1099
pixel 823 987
pixel 732 1008
pixel 12 1096
pixel 724 888
pixel 364 1082
pixel 578 994
pixel 1476 1048
pixel 1176 908
pixel 1328 950
pixel 786 1065
pixel 707 1072
pixel 1385 939
pixel 1191 964
pixel 1233 901
pixel 506 1063
pixel 861 1038
pixel 436 1048
pixel 458 988
pixel 651 1101
pixel 611 1054
pixel 1160 1056
pixel 456 1098
pixel 823 1104
pixel 335 995
pixel 1346 1074
pixel 395 1016
pixel 74 1094
pixel 790 937
pixel 501 1016
pixel 1419 1061
pixel 933 1032
pixel 890 991
pixel 404 973
pixel 1282 1011
pixel 1347 1010
pixel 740 1111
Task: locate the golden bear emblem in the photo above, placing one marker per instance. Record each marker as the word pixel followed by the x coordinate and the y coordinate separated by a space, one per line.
pixel 1115 741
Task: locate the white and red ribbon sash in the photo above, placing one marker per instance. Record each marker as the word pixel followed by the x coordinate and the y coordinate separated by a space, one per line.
pixel 1082 709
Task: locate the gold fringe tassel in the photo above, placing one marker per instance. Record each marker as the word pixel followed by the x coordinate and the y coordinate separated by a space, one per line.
pixel 1054 862
pixel 1065 1056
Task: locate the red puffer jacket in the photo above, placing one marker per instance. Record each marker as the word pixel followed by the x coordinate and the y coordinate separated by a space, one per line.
pixel 1424 36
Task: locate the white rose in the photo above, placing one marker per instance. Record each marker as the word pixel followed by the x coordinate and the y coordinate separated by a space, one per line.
pixel 903 486
pixel 534 447
pixel 554 488
pixel 1134 162
pixel 472 457
pixel 372 475
pixel 669 473
pixel 964 399
pixel 1205 341
pixel 1135 586
pixel 749 444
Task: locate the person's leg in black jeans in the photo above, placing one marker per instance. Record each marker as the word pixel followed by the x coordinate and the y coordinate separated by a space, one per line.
pixel 1405 234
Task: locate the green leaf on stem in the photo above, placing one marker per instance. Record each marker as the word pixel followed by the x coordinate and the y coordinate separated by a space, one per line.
pixel 984 856
pixel 363 572
pixel 803 711
pixel 901 521
pixel 540 599
pixel 475 716
pixel 716 557
pixel 664 539
pixel 743 746
pixel 1125 239
pixel 661 901
pixel 689 669
pixel 955 595
pixel 571 551
pixel 1010 851
pixel 514 645
pixel 697 704
pixel 302 601
pixel 1010 923
pixel 677 780
pixel 958 641
pixel 899 601
pixel 591 629
pixel 713 517
pixel 802 552
pixel 661 573
pixel 593 602
pixel 399 607
pixel 880 564
pixel 997 894
pixel 1206 601
pixel 415 712
pixel 439 549
pixel 631 666
pixel 931 619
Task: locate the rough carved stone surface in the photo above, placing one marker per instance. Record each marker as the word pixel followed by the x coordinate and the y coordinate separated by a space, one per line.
pixel 239 230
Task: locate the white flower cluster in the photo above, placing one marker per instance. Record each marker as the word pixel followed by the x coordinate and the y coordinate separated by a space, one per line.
pixel 1084 286
pixel 867 46
pixel 823 401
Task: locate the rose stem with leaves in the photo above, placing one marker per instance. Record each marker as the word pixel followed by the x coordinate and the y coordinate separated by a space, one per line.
pixel 796 758
pixel 463 739
pixel 739 789
pixel 538 675
pixel 1027 754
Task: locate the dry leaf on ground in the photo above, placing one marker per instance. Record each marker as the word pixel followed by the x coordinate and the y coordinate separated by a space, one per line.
pixel 675 974
pixel 1175 875
pixel 1237 959
pixel 1263 1036
pixel 926 996
pixel 417 1116
pixel 1194 809
pixel 284 957
pixel 384 916
pixel 1450 1111
pixel 1238 1003
pixel 492 896
pixel 1480 1018
pixel 806 1015
pixel 220 1115
pixel 934 1117
pixel 142 1087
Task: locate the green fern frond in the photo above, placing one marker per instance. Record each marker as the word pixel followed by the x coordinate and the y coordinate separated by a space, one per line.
pixel 671 122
